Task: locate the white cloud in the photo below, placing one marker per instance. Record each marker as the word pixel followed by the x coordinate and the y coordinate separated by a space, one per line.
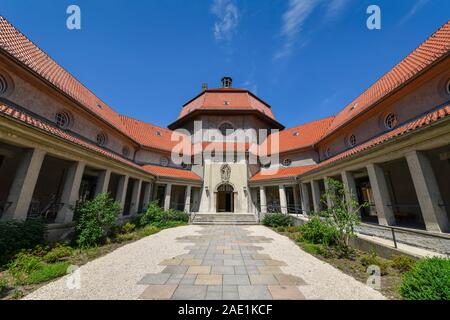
pixel 227 14
pixel 415 8
pixel 297 14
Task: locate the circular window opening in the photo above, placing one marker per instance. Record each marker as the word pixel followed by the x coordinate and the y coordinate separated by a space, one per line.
pixel 391 121
pixel 327 153
pixel 62 120
pixel 3 84
pixel 164 162
pixel 126 152
pixel 448 87
pixel 101 139
pixel 184 165
pixel 352 140
pixel 226 129
pixel 287 162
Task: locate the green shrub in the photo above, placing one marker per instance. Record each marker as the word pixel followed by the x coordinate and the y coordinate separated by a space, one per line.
pixel 154 213
pixel 168 224
pixel 3 286
pixel 176 215
pixel 128 228
pixel 429 279
pixel 23 263
pixel 277 220
pixel 47 272
pixel 292 229
pixel 96 218
pixel 318 231
pixel 18 235
pixel 148 231
pixel 372 259
pixel 403 263
pixel 59 252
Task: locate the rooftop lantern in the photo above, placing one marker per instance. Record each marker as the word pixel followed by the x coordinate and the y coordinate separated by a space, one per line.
pixel 227 82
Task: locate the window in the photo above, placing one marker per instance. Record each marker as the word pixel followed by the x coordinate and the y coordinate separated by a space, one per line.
pixel 354 106
pixel 62 120
pixel 164 162
pixel 327 153
pixel 287 162
pixel 158 133
pixel 352 141
pixel 102 139
pixel 126 152
pixel 296 134
pixel 226 103
pixel 3 84
pixel 226 129
pixel 448 87
pixel 390 121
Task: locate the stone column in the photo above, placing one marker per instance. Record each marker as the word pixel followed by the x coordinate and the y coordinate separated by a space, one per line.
pixel 263 200
pixel 381 195
pixel 349 187
pixel 136 196
pixel 122 189
pixel 295 190
pixel 22 188
pixel 428 192
pixel 167 196
pixel 71 192
pixel 147 195
pixel 306 206
pixel 187 199
pixel 316 195
pixel 103 182
pixel 283 200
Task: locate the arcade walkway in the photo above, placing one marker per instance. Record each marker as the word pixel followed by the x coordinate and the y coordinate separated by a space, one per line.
pixel 213 263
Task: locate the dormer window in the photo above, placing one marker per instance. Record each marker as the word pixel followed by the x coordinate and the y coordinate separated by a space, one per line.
pixel 158 133
pixel 226 103
pixel 99 106
pixel 296 134
pixel 354 107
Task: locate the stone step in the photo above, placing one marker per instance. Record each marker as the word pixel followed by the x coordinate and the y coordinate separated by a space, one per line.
pixel 228 219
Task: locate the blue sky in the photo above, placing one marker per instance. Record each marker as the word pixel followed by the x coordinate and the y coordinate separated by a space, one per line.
pixel 307 58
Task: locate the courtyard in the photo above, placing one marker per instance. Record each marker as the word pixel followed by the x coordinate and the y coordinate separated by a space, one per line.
pixel 209 263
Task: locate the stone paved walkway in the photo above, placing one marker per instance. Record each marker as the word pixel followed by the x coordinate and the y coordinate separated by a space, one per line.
pixel 213 263
pixel 223 262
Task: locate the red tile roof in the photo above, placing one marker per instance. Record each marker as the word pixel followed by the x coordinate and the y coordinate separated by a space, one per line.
pixel 20 48
pixel 26 119
pixel 430 118
pixel 432 50
pixel 167 172
pixel 149 135
pixel 282 173
pixel 226 99
pixel 299 137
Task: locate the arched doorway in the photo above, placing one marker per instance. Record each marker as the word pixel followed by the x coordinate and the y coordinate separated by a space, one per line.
pixel 225 198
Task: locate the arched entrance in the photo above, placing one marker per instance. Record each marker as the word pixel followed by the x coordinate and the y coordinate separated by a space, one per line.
pixel 225 198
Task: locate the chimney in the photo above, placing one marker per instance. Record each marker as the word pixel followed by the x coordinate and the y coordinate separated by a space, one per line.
pixel 204 87
pixel 227 82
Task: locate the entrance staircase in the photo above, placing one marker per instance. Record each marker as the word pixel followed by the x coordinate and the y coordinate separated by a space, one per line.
pixel 224 219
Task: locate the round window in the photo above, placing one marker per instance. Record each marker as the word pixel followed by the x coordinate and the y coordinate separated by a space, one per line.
pixel 226 129
pixel 390 121
pixel 327 153
pixel 101 139
pixel 352 140
pixel 3 84
pixel 126 152
pixel 448 87
pixel 287 162
pixel 164 162
pixel 62 120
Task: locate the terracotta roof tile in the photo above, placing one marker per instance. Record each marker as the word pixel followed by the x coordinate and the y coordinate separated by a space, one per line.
pixel 149 135
pixel 29 55
pixel 440 113
pixel 299 137
pixel 167 172
pixel 26 119
pixel 282 173
pixel 434 48
pixel 226 99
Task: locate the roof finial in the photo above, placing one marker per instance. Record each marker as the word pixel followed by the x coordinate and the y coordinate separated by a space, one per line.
pixel 227 82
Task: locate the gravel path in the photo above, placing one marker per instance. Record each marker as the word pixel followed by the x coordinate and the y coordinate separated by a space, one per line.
pixel 182 263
